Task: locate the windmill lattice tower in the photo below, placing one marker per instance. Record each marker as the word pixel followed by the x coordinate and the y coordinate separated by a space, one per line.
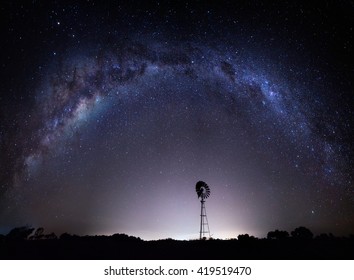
pixel 203 192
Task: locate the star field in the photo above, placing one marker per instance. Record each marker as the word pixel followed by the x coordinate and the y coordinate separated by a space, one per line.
pixel 111 113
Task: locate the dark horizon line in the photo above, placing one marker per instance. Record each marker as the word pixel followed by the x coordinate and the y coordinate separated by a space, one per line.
pixel 32 233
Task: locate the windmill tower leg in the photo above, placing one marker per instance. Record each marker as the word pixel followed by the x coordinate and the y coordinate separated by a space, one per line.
pixel 201 219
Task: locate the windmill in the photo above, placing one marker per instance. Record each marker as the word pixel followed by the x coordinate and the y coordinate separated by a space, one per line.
pixel 203 192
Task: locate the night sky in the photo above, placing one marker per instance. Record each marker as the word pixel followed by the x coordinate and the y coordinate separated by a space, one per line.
pixel 110 112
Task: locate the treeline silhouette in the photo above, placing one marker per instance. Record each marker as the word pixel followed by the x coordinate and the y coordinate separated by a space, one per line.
pixel 29 243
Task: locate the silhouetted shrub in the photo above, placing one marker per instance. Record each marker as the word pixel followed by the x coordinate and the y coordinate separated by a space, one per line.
pixel 38 234
pixel 65 236
pixel 325 236
pixel 302 233
pixel 278 234
pixel 124 237
pixel 167 239
pixel 245 237
pixel 20 233
pixel 50 236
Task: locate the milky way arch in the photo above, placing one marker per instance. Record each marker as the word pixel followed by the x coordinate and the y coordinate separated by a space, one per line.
pixel 77 85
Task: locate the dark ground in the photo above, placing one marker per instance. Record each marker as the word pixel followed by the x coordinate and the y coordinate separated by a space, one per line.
pixel 121 246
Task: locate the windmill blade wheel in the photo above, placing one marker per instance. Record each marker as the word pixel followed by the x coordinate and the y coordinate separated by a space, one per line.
pixel 202 189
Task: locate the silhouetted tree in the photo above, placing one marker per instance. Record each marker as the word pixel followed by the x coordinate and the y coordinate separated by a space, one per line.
pixel 51 236
pixel 124 237
pixel 38 234
pixel 245 237
pixel 325 236
pixel 278 234
pixel 20 233
pixel 65 236
pixel 166 239
pixel 302 233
